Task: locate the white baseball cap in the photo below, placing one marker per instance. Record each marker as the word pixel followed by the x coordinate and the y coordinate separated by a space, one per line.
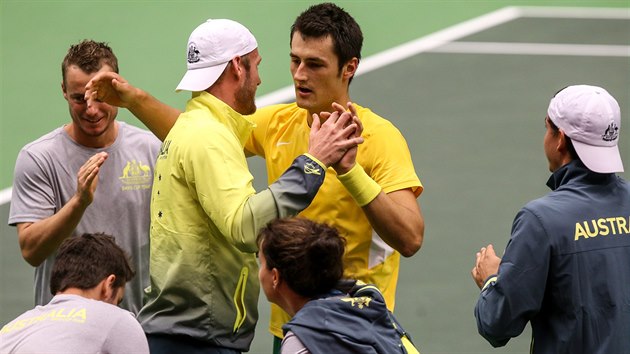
pixel 591 117
pixel 211 46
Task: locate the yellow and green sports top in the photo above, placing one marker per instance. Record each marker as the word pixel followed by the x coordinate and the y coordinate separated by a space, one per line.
pixel 205 215
pixel 282 133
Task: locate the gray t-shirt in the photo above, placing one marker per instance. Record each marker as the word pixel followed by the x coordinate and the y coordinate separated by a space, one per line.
pixel 46 179
pixel 74 324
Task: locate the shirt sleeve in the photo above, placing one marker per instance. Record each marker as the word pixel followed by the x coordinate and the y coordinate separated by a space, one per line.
pixel 390 164
pixel 33 196
pixel 126 336
pixel 224 189
pixel 291 344
pixel 506 305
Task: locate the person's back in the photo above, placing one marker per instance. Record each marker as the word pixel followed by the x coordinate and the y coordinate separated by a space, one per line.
pixel 354 322
pixel 566 268
pixel 301 271
pixel 588 284
pixel 72 324
pixel 88 281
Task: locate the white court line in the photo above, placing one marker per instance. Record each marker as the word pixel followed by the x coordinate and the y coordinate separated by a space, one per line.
pixel 535 49
pixel 5 195
pixel 576 12
pixel 441 38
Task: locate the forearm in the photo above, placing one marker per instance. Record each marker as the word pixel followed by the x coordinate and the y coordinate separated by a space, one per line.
pixel 40 239
pixel 395 216
pixel 398 225
pixel 289 195
pixel 154 114
pixel 496 322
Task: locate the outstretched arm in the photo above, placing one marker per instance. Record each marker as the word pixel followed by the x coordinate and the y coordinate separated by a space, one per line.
pixel 40 239
pixel 113 89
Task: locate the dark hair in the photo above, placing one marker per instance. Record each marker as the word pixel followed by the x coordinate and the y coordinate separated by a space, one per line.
pixel 89 56
pixel 570 146
pixel 308 255
pixel 84 261
pixel 328 19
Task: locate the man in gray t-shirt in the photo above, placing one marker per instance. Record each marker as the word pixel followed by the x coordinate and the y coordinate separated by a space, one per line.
pixel 91 175
pixel 88 281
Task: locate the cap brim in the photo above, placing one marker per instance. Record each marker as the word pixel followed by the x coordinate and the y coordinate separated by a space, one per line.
pixel 200 79
pixel 601 159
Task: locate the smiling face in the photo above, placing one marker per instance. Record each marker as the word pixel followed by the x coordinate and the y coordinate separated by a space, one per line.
pixel 92 126
pixel 317 78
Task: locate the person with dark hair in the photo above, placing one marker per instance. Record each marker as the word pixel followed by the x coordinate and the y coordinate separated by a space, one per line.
pixel 301 269
pixel 566 268
pixel 64 187
pixel 374 203
pixel 88 282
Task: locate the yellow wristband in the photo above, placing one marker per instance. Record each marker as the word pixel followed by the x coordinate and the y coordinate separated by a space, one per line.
pixel 361 187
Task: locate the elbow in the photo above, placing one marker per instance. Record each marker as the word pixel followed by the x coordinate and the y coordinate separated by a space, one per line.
pixel 414 244
pixel 28 253
pixel 31 258
pixel 412 247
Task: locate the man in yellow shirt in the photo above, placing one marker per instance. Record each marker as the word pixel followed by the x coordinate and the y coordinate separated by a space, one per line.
pixel 379 225
pixel 379 215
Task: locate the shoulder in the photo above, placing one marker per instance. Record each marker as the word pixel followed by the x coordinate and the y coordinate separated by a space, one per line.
pixel 137 134
pixel 277 111
pixel 46 141
pixel 373 121
pixel 379 133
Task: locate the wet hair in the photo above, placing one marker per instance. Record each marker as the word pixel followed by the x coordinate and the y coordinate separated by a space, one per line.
pixel 328 19
pixel 308 255
pixel 84 261
pixel 89 56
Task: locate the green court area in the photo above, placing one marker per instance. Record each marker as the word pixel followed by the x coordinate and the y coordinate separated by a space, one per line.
pixel 467 83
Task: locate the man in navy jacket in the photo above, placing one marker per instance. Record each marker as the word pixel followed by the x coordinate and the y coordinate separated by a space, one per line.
pixel 566 268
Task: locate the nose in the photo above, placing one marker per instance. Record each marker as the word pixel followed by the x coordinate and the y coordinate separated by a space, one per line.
pixel 298 74
pixel 92 109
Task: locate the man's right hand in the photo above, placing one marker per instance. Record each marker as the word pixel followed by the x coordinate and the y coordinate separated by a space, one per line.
pixel 111 88
pixel 329 142
pixel 87 178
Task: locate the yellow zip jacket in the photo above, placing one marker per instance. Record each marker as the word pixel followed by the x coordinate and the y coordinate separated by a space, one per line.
pixel 205 215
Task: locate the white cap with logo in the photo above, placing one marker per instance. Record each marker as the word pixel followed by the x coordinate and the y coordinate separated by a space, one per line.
pixel 211 46
pixel 591 117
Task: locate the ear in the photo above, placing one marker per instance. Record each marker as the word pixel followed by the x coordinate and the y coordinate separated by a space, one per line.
pixel 350 68
pixel 63 90
pixel 108 292
pixel 562 142
pixel 276 279
pixel 237 69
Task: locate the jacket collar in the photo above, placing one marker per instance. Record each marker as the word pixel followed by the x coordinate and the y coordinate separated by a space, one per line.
pixel 241 125
pixel 576 171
